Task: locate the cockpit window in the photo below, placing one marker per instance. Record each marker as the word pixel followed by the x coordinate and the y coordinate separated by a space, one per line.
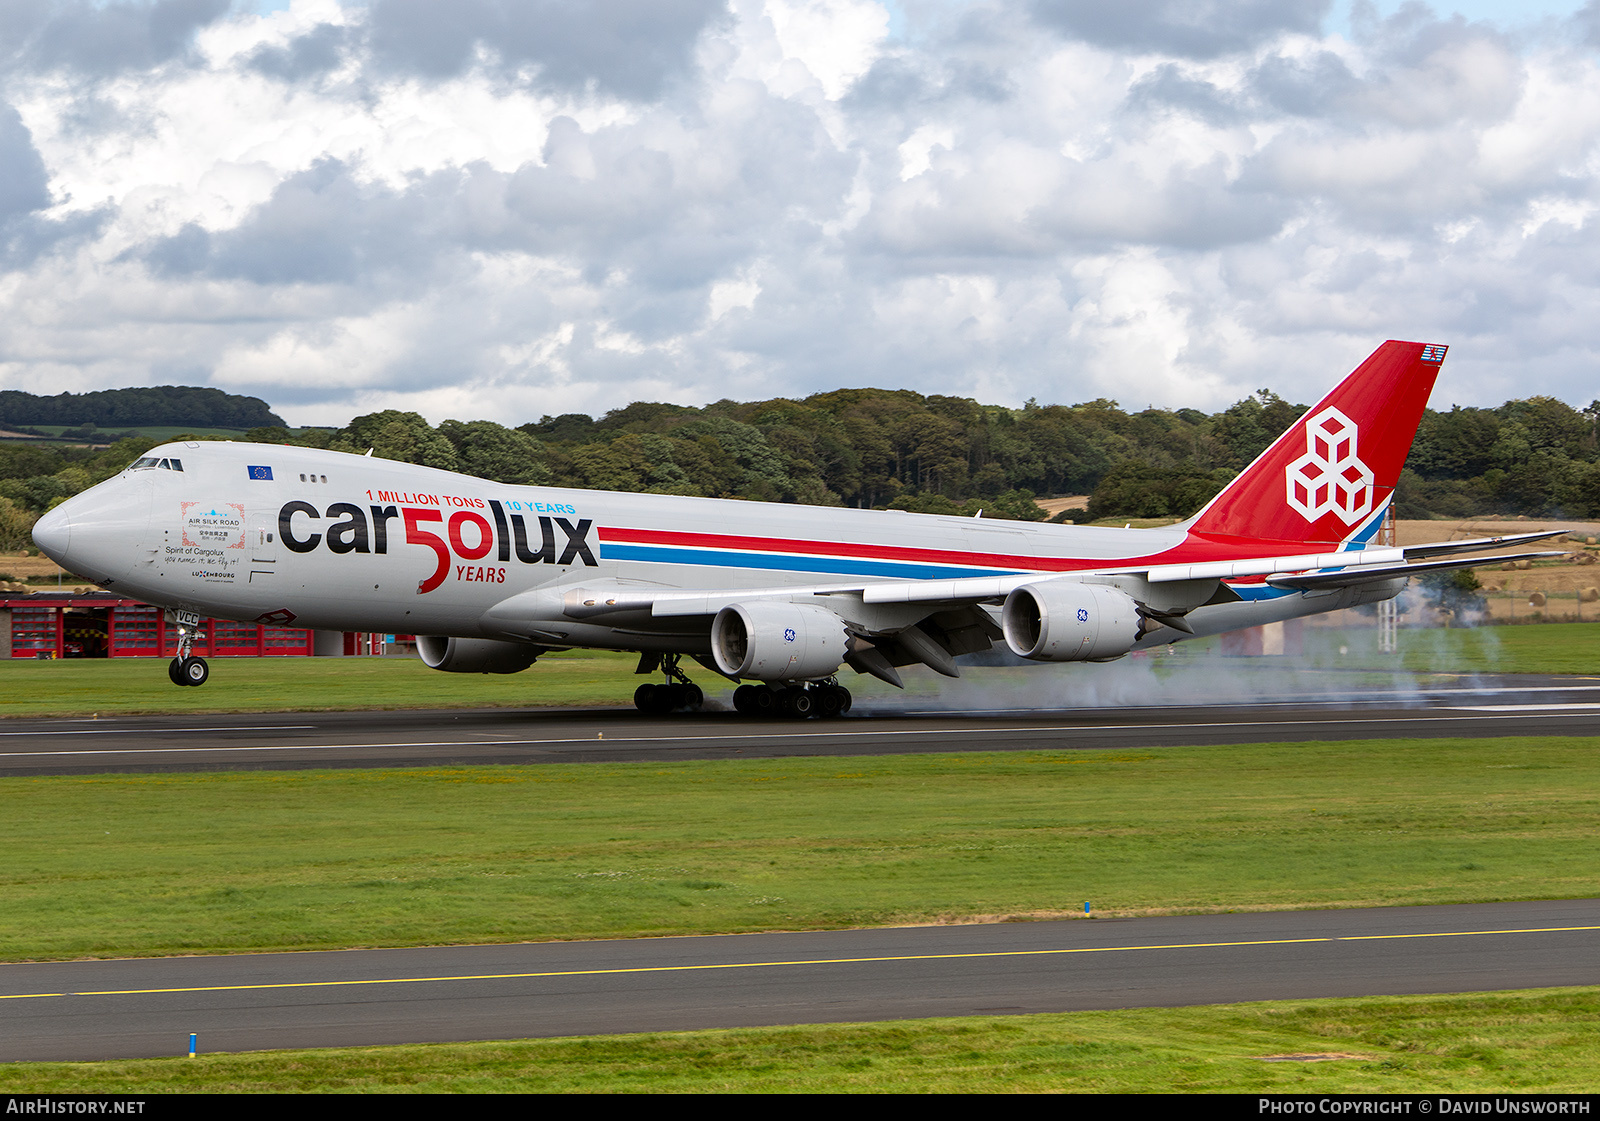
pixel 145 462
pixel 176 464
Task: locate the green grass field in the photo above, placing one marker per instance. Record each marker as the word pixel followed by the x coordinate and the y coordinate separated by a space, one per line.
pixel 127 865
pixel 1540 1041
pixel 81 687
pixel 1561 648
pixel 1570 648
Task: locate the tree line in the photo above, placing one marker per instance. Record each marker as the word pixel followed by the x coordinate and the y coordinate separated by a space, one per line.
pixel 117 409
pixel 900 450
pixel 869 448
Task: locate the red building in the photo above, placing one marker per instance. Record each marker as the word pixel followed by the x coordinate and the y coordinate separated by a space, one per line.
pixel 104 625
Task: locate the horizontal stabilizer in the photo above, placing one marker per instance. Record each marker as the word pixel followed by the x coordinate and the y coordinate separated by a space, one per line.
pixel 1478 544
pixel 1355 577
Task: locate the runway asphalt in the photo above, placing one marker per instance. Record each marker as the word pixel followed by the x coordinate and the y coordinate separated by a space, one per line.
pixel 140 1008
pixel 1478 706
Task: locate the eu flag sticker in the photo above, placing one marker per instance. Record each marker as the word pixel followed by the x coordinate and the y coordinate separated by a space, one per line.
pixel 264 473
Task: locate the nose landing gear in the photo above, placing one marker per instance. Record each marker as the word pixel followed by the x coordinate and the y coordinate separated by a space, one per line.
pixel 186 670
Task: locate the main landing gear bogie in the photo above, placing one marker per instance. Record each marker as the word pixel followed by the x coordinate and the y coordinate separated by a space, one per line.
pixel 798 700
pixel 676 694
pixel 793 702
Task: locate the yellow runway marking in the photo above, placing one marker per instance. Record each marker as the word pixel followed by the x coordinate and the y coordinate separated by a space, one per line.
pixel 808 961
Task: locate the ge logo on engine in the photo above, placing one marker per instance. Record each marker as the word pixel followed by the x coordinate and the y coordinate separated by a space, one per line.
pixel 1083 614
pixel 788 634
pixel 1330 477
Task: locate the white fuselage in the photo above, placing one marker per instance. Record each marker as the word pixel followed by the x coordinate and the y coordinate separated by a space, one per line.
pixel 344 542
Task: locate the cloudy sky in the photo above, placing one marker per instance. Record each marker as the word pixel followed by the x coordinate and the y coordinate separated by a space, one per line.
pixel 506 208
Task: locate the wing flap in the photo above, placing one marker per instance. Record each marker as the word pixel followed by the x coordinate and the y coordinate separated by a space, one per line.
pixel 972 589
pixel 1265 566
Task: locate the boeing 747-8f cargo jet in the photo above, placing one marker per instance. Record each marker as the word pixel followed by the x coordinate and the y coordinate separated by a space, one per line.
pixel 490 576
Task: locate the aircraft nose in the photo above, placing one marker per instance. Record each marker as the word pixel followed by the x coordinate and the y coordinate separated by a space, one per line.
pixel 100 534
pixel 53 533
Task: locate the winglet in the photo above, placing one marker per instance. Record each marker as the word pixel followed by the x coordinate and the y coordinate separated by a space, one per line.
pixel 1329 478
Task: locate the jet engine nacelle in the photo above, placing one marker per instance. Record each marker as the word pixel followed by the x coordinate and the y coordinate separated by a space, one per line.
pixel 777 641
pixel 1064 621
pixel 475 655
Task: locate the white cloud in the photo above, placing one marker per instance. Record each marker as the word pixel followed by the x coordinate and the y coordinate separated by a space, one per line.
pixel 836 40
pixel 726 295
pixel 916 154
pixel 339 213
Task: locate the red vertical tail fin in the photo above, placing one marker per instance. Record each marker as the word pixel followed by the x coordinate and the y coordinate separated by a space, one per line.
pixel 1329 478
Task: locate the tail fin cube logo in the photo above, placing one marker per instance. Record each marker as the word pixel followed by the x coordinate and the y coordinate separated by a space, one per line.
pixel 1330 478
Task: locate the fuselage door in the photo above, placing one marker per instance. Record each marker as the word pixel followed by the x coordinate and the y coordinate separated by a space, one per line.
pixel 261 545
